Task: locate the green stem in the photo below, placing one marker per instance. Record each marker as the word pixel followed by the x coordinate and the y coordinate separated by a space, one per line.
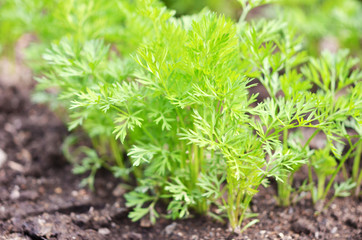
pixel 344 172
pixel 246 10
pixel 119 110
pixel 117 154
pixel 231 213
pixel 183 154
pixel 195 164
pixel 284 192
pixel 150 136
pixel 359 181
pixel 94 143
pixel 103 144
pixel 356 163
pixel 183 145
pixel 310 173
pixel 284 187
pixel 201 160
pixel 180 118
pixel 137 171
pixel 311 138
pixel 336 171
pixel 237 204
pixel 321 185
pixel 246 203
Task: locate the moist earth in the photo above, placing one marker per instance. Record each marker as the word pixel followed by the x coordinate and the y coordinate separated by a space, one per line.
pixel 41 199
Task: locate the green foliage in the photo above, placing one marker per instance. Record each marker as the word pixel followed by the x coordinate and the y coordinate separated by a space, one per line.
pixel 91 162
pixel 174 95
pixel 187 7
pixel 323 164
pixel 327 24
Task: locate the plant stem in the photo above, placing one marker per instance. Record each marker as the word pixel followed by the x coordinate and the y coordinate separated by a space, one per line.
pixel 285 139
pixel 310 173
pixel 230 205
pixel 284 187
pixel 311 138
pixel 137 171
pixel 321 185
pixel 246 203
pixel 150 136
pixel 182 144
pixel 201 160
pixel 183 154
pixel 344 172
pixel 358 183
pixel 116 152
pixel 356 163
pixel 195 166
pixel 284 192
pixel 336 171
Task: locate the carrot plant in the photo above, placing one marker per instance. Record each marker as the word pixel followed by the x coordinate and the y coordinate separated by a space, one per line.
pixel 78 66
pixel 337 87
pixel 173 94
pixel 291 101
pixel 355 124
pixel 205 75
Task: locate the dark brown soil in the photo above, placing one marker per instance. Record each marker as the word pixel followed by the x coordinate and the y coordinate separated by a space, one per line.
pixel 41 199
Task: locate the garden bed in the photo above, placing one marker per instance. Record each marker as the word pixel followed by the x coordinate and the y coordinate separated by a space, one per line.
pixel 41 199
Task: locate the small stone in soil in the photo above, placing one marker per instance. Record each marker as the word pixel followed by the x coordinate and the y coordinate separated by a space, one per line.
pixel 15 194
pixel 3 157
pixel 16 166
pixel 58 190
pixel 290 210
pixel 170 228
pixel 104 231
pixel 194 237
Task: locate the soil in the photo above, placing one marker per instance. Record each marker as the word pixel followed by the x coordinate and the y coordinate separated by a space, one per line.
pixel 41 199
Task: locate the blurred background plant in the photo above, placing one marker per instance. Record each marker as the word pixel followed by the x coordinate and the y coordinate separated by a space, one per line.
pixel 326 24
pixel 228 7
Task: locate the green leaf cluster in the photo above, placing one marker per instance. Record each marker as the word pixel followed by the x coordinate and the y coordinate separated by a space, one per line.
pixel 181 98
